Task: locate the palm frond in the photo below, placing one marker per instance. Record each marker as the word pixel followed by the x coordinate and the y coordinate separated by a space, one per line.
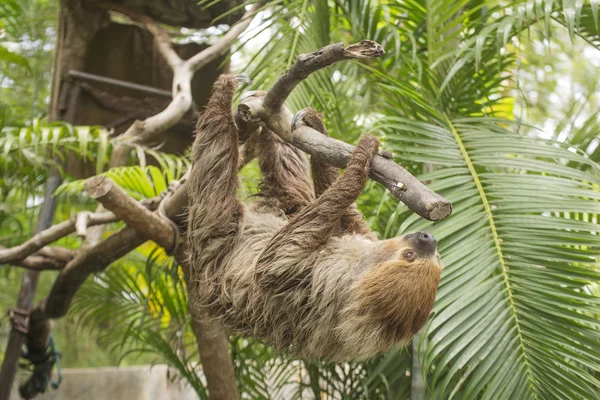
pixel 517 262
pixel 139 182
pixel 30 150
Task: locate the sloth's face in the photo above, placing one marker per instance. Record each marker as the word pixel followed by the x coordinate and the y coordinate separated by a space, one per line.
pixel 397 289
pixel 419 248
pixel 413 251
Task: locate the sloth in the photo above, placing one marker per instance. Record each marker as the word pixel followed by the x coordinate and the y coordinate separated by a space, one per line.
pixel 298 268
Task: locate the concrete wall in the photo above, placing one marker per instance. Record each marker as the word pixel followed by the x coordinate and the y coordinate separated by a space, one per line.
pixel 117 383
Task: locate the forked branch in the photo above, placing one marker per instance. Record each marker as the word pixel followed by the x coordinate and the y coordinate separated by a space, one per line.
pixel 268 110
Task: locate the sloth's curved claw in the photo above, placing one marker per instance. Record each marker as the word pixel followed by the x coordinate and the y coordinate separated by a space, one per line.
pixel 386 154
pixel 242 78
pixel 298 119
pixel 251 93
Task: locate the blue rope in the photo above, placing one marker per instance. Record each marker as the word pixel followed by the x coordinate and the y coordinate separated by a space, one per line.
pixel 43 363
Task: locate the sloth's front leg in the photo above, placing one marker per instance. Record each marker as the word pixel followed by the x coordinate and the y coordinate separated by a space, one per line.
pixel 324 174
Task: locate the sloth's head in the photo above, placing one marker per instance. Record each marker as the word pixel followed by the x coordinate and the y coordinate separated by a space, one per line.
pixel 412 253
pixel 417 250
pixel 397 289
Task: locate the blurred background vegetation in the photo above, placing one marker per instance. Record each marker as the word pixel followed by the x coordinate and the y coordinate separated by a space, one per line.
pixel 495 104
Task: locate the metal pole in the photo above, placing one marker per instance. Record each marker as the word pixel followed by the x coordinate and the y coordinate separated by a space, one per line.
pixel 17 338
pixel 84 76
pixel 417 391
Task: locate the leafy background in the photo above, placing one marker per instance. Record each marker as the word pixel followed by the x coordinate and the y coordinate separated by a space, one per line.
pixel 493 104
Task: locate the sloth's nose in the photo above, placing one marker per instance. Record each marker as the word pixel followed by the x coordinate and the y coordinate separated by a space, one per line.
pixel 424 243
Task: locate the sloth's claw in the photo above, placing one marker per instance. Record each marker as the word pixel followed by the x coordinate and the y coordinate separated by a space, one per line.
pixel 298 119
pixel 251 93
pixel 242 78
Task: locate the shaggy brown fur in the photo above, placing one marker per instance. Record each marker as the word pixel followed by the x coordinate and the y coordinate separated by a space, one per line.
pixel 302 274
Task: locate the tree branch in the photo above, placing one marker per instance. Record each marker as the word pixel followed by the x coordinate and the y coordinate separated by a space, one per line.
pixel 48 258
pixel 268 110
pixel 52 234
pixel 306 64
pixel 85 263
pixel 183 72
pixel 403 185
pixel 131 212
pixel 225 42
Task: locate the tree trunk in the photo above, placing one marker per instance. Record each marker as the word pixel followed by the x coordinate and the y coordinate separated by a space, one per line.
pixel 214 351
pixel 216 363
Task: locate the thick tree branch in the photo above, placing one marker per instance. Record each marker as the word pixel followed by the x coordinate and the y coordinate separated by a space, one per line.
pixel 403 185
pixel 306 64
pixel 131 212
pixel 268 109
pixel 85 263
pixel 52 234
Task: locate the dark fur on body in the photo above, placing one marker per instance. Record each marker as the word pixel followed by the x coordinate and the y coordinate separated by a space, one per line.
pixel 299 268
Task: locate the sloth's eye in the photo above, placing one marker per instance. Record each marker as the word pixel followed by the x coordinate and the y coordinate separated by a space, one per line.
pixel 409 255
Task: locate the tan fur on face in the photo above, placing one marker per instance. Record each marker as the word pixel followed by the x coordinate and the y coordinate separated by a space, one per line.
pixel 302 274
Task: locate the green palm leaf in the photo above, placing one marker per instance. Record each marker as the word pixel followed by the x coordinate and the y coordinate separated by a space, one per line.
pixel 517 264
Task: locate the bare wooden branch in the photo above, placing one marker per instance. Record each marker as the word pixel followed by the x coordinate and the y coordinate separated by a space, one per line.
pixel 130 211
pixel 183 72
pixel 48 258
pixel 224 43
pixel 403 185
pixel 306 64
pixel 86 262
pixel 52 234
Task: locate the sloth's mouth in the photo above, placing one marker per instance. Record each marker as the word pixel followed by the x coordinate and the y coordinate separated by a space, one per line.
pixel 438 261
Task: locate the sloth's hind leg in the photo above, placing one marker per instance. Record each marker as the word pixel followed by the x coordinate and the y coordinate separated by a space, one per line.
pixel 285 186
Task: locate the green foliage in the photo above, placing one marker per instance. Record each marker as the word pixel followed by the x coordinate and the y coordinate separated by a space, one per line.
pixel 516 315
pixel 33 150
pixel 146 290
pixel 139 183
pixel 27 36
pixel 521 246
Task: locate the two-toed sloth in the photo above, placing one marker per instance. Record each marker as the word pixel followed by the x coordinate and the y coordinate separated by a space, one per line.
pixel 299 268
